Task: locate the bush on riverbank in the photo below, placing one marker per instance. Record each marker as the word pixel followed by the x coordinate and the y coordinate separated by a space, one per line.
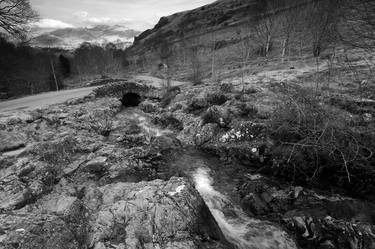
pixel 315 143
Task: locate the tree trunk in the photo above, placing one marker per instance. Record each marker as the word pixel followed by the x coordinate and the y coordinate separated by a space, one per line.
pixel 268 44
pixel 213 57
pixel 285 42
pixel 54 75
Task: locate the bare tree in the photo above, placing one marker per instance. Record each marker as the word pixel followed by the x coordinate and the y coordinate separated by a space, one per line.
pixel 165 53
pixel 266 25
pixel 322 23
pixel 213 55
pixel 244 48
pixel 289 22
pixel 195 60
pixel 51 62
pixel 14 15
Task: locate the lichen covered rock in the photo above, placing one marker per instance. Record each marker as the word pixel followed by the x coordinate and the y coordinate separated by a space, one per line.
pixel 147 214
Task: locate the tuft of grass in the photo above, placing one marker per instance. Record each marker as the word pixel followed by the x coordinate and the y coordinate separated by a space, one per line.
pixel 101 122
pixel 168 120
pixel 216 98
pixel 56 152
pixel 227 87
pixel 247 110
pixel 197 104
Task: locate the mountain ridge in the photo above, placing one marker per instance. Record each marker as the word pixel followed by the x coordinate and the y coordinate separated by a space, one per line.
pixel 71 38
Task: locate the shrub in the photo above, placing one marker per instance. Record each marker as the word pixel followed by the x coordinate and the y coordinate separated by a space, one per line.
pixel 132 128
pixel 56 152
pixel 227 87
pixel 169 96
pixel 201 102
pixel 101 122
pixel 346 104
pixel 217 98
pixel 315 144
pixel 251 90
pixel 176 107
pixel 216 115
pixel 148 107
pixel 134 140
pixel 197 104
pixel 246 110
pixel 167 120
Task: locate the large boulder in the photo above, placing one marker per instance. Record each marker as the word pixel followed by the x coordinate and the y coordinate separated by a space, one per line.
pixel 155 214
pixel 23 182
pixel 11 141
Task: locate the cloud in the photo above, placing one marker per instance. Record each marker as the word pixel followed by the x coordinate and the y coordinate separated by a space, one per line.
pixel 81 14
pixel 85 18
pixel 51 24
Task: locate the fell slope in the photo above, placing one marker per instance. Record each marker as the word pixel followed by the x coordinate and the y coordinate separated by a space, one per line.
pixel 221 14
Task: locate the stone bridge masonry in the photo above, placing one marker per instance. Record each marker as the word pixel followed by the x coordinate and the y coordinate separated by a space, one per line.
pixel 130 93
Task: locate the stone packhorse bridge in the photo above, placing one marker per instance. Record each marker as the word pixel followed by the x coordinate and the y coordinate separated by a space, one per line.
pixel 130 93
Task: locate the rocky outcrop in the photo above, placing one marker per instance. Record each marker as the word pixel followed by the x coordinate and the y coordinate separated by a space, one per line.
pixel 11 141
pixel 150 214
pixel 25 231
pixel 317 221
pixel 329 233
pixel 23 182
pixel 161 214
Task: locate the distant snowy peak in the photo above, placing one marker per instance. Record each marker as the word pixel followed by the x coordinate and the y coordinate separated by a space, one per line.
pixel 70 38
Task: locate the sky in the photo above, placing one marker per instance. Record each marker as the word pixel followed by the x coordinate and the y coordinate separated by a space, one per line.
pixel 135 14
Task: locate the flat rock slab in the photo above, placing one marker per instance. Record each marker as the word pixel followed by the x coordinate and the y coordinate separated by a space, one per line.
pixel 155 214
pixel 10 141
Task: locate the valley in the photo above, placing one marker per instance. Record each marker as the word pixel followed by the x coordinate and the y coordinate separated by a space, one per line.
pixel 235 125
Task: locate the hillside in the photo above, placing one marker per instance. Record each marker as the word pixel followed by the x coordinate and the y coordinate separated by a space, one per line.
pixel 226 29
pixel 219 15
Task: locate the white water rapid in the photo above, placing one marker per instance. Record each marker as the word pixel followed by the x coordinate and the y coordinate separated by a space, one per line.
pixel 239 229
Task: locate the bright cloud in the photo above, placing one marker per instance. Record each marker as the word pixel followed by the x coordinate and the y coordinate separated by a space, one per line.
pixel 85 18
pixel 51 24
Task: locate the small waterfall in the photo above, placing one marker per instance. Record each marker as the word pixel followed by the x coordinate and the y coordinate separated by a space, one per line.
pixel 238 228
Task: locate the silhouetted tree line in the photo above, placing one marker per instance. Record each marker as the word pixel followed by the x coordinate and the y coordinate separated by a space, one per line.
pixel 25 70
pixel 91 59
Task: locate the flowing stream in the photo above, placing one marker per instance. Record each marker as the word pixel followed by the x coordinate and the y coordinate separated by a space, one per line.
pixel 217 184
pixel 239 229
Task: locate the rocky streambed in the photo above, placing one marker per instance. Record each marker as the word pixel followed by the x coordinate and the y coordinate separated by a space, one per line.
pixel 96 173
